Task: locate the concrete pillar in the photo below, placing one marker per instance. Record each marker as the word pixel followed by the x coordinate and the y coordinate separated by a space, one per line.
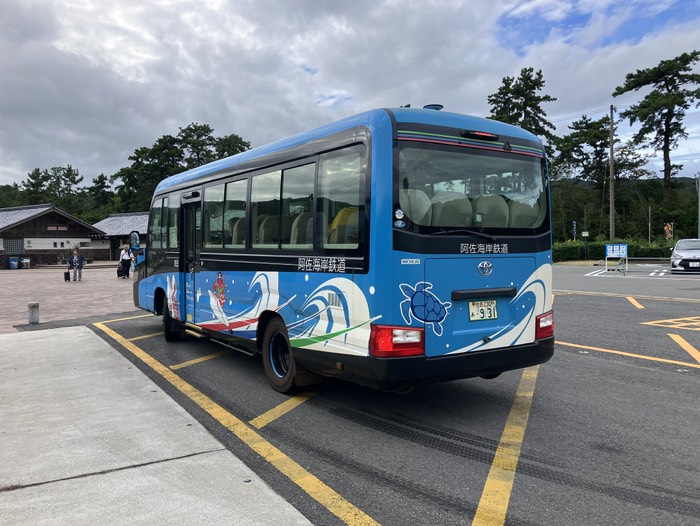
pixel 33 313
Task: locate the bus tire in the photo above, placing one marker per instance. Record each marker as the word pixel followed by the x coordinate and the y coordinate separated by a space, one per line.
pixel 280 368
pixel 171 329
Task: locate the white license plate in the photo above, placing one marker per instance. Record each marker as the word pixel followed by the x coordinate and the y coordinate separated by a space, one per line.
pixel 482 310
pixel 694 264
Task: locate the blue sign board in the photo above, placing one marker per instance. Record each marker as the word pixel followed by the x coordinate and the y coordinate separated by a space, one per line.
pixel 616 250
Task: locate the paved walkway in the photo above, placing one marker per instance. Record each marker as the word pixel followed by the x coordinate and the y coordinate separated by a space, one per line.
pixel 99 292
pixel 86 438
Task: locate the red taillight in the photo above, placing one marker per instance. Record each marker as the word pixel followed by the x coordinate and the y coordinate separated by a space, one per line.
pixel 388 342
pixel 544 325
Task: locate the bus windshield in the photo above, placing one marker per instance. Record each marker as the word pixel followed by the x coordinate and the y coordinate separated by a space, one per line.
pixel 448 187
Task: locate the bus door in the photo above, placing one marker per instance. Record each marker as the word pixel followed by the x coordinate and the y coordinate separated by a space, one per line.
pixel 191 248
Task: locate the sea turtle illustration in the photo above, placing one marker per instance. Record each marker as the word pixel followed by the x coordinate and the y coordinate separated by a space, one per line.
pixel 423 305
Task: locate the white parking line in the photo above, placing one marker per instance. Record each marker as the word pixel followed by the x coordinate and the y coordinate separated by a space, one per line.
pixel 597 272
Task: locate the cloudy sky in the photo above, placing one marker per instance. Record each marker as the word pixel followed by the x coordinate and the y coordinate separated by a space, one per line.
pixel 86 82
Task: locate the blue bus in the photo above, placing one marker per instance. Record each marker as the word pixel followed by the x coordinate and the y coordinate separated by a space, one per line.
pixel 391 248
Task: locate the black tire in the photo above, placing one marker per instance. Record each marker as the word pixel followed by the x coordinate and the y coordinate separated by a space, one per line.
pixel 171 329
pixel 278 360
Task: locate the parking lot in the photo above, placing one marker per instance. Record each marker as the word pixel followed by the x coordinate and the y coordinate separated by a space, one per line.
pixel 604 433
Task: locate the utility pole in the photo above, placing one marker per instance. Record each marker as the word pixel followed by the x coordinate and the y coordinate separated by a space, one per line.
pixel 612 174
pixel 697 187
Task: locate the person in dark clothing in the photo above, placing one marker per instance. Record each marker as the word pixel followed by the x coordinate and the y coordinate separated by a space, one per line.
pixel 75 263
pixel 125 259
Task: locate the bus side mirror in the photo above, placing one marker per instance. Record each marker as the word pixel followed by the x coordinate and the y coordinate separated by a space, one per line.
pixel 134 240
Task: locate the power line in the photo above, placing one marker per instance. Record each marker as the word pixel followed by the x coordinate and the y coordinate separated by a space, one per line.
pixel 602 109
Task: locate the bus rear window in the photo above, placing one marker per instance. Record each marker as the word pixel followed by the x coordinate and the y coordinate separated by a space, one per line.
pixel 451 187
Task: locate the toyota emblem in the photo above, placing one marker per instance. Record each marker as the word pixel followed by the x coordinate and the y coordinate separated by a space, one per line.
pixel 485 268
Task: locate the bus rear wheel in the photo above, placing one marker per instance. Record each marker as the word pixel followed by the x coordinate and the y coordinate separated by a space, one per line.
pixel 280 368
pixel 171 329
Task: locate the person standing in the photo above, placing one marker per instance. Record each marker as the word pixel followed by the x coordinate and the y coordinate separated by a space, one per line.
pixel 125 259
pixel 75 263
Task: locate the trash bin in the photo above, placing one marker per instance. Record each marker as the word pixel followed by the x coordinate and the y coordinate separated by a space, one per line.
pixel 13 263
pixel 26 263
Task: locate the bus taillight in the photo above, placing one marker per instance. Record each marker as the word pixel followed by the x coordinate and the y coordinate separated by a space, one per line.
pixel 544 327
pixel 387 341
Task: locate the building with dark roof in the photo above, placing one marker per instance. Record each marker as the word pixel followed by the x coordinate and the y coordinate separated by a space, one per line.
pixel 43 234
pixel 117 228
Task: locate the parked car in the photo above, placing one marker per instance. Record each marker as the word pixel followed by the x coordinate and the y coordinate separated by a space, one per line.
pixel 685 256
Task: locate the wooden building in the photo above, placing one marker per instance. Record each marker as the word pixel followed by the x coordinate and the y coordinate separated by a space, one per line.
pixel 117 228
pixel 43 234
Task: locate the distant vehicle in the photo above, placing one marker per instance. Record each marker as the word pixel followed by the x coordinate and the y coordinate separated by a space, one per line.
pixel 391 248
pixel 686 256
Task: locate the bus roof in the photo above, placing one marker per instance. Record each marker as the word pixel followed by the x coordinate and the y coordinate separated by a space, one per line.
pixel 369 118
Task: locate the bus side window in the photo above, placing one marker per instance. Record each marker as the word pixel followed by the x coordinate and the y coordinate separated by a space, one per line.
pixel 155 234
pixel 173 232
pixel 265 203
pixel 235 213
pixel 297 203
pixel 213 216
pixel 341 183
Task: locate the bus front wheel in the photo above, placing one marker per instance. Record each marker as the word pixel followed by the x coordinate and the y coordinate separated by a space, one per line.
pixel 280 368
pixel 171 329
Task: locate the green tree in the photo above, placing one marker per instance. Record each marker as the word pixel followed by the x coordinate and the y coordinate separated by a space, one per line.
pixel 197 144
pixel 149 166
pixel 517 102
pixel 100 192
pixel 584 153
pixel 35 187
pixel 11 195
pixel 63 182
pixel 193 146
pixel 661 112
pixel 230 145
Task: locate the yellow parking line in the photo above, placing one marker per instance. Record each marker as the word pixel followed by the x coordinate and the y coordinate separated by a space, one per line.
pixel 493 504
pixel 635 302
pixel 691 324
pixel 692 351
pixel 616 295
pixel 145 336
pixel 129 318
pixel 282 409
pixel 631 355
pixel 198 360
pixel 313 486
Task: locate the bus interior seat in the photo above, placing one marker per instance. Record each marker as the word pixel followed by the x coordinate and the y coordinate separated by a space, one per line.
pixel 443 196
pixel 322 221
pixel 455 212
pixel 268 232
pixel 285 227
pixel 228 232
pixel 416 205
pixel 238 232
pixel 493 210
pixel 521 215
pixel 343 225
pixel 298 235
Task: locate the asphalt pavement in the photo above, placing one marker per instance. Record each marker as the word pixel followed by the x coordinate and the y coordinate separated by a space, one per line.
pixel 87 438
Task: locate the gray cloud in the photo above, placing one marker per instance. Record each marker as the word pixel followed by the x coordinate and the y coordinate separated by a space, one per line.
pixel 86 84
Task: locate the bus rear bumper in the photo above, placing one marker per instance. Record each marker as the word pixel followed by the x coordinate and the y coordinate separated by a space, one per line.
pixel 398 373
